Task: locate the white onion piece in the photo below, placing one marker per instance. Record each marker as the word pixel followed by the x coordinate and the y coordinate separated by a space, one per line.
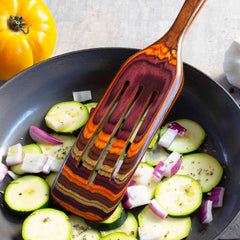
pixel 136 196
pixel 33 163
pixel 47 166
pixel 145 175
pixel 176 126
pixel 231 63
pixel 206 212
pixel 157 209
pixel 216 196
pixel 82 96
pixel 145 234
pixel 58 121
pixel 172 164
pixel 3 171
pixel 55 165
pixel 167 138
pixel 13 175
pixel 14 155
pixel 38 135
pixel 158 172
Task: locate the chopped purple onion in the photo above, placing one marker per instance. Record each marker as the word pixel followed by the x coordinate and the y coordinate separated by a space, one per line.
pixel 206 212
pixel 216 196
pixel 176 126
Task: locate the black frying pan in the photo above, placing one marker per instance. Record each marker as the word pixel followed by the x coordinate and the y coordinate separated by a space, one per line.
pixel 28 96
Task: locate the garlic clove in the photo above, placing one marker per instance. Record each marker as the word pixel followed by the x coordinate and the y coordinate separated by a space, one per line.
pixel 231 63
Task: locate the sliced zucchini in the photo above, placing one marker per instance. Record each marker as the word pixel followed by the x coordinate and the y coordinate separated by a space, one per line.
pixel 81 231
pixel 67 117
pixel 46 224
pixel 179 195
pixel 118 217
pixel 30 148
pixel 191 140
pixel 60 152
pixel 130 227
pixel 51 178
pixel 156 155
pixel 202 167
pixel 26 194
pixel 145 178
pixel 118 236
pixel 170 227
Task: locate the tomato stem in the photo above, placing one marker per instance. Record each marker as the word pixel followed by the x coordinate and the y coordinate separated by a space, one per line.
pixel 16 23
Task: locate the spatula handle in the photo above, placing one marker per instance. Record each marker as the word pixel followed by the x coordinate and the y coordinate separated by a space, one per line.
pixel 174 36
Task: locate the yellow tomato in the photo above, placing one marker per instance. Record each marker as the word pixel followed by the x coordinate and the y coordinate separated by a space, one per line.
pixel 27 35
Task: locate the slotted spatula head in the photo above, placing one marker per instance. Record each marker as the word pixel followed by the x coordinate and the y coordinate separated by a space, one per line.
pixel 102 162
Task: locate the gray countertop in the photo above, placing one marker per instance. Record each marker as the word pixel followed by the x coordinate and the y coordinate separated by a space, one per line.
pixel 83 24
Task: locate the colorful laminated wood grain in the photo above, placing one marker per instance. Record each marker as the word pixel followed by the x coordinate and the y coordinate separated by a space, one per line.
pixel 147 84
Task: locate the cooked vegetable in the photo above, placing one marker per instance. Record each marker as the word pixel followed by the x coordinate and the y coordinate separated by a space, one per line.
pixel 167 137
pixel 27 35
pixel 91 106
pixel 82 96
pixel 118 217
pixel 168 228
pixel 67 117
pixel 3 171
pixel 172 163
pixel 38 135
pixel 81 231
pixel 51 178
pixel 158 172
pixel 14 154
pixel 206 212
pixel 59 152
pixel 33 163
pixel 157 209
pixel 190 141
pixel 231 63
pixel 26 194
pixel 176 126
pixel 46 224
pixel 216 196
pixel 136 196
pixel 118 236
pixel 29 148
pixel 202 167
pixel 179 195
pixel 145 234
pixel 130 227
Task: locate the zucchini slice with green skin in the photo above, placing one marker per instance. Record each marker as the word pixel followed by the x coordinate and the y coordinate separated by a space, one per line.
pixel 30 148
pixel 80 230
pixel 51 178
pixel 60 152
pixel 191 140
pixel 179 195
pixel 130 227
pixel 91 105
pixel 46 224
pixel 67 117
pixel 202 167
pixel 118 236
pixel 118 217
pixel 171 227
pixel 26 194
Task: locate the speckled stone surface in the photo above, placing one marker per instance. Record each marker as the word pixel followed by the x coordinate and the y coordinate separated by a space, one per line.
pixel 85 24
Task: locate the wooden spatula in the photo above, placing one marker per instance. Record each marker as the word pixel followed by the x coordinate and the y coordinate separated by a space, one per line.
pixel 101 164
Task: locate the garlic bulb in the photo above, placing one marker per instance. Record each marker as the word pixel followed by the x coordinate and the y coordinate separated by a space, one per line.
pixel 231 63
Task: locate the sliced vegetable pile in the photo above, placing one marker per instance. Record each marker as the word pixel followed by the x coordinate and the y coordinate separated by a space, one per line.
pixel 173 181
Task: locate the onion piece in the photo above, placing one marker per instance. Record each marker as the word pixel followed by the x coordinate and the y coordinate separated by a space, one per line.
pixel 82 96
pixel 38 135
pixel 145 234
pixel 167 138
pixel 143 175
pixel 14 155
pixel 157 209
pixel 216 196
pixel 55 165
pixel 158 172
pixel 176 126
pixel 3 171
pixel 206 212
pixel 136 196
pixel 33 163
pixel 172 164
